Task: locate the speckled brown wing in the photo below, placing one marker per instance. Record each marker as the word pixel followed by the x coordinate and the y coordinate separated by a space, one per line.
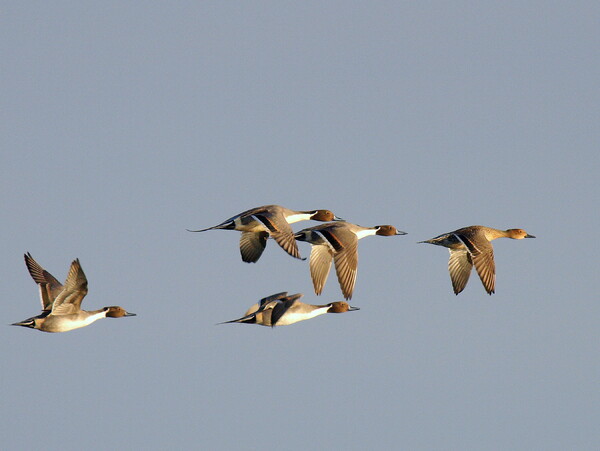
pixel 285 238
pixel 279 229
pixel 486 268
pixel 75 289
pixel 460 267
pixel 49 287
pixel 346 262
pixel 482 256
pixel 321 257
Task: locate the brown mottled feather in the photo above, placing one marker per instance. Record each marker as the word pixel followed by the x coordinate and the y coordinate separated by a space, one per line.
pixel 49 287
pixel 75 289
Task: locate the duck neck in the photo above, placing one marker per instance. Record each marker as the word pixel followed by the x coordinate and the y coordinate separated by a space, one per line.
pixel 319 310
pixel 366 232
pixel 298 216
pixel 97 314
pixel 492 234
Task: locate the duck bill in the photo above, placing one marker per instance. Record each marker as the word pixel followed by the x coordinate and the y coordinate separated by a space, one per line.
pixel 351 309
pixel 400 232
pixel 529 236
pixel 337 218
pixel 130 314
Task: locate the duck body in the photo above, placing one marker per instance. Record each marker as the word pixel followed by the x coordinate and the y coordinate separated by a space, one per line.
pixel 338 242
pixel 283 310
pixel 471 246
pixel 63 323
pixel 62 304
pixel 260 223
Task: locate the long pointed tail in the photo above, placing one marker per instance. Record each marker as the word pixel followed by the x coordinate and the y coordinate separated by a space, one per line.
pixel 224 225
pixel 248 319
pixel 26 323
pixel 201 230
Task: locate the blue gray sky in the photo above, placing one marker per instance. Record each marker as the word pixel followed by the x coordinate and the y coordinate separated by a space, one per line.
pixel 123 124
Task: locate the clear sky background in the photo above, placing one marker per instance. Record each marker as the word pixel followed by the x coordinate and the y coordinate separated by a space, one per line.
pixel 122 124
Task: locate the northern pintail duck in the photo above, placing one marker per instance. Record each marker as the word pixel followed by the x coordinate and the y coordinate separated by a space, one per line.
pixel 338 241
pixel 259 223
pixel 472 246
pixel 61 305
pixel 282 310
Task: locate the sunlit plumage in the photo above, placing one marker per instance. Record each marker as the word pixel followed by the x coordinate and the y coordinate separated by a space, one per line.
pixel 471 246
pixel 338 242
pixel 61 305
pixel 258 224
pixel 282 310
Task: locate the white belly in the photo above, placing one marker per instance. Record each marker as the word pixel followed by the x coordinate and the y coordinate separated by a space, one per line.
pixel 291 317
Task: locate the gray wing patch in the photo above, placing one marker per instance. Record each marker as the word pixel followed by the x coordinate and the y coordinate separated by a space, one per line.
pixel 273 297
pixel 252 245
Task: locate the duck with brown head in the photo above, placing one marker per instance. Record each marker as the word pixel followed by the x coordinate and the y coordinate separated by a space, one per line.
pixel 518 234
pixel 62 304
pixel 258 224
pixel 387 230
pixel 341 307
pixel 117 312
pixel 283 310
pixel 338 242
pixel 471 246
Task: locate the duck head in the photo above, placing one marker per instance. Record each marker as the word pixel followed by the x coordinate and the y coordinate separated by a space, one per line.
pixel 388 230
pixel 117 312
pixel 324 216
pixel 341 307
pixel 518 234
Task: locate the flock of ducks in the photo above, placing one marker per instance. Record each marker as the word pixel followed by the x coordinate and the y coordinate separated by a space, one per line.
pixel 335 241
